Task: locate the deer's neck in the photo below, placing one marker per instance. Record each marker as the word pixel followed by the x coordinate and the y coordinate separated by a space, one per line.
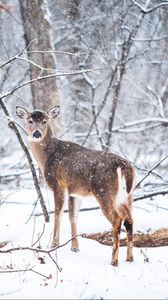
pixel 41 150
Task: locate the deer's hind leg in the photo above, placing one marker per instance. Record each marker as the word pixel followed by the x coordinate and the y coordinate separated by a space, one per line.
pixel 116 223
pixel 129 229
pixel 73 214
pixel 109 211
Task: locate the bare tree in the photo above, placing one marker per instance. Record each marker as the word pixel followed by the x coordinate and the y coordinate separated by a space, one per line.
pixel 38 35
pixel 122 35
pixel 77 88
pixel 121 107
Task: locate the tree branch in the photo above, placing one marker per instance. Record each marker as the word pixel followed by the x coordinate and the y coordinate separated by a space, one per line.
pixel 145 10
pixel 13 126
pixel 101 106
pixel 37 250
pixel 150 194
pixel 150 171
pixel 155 120
pixel 58 74
pixel 9 8
pixel 137 197
pixel 23 270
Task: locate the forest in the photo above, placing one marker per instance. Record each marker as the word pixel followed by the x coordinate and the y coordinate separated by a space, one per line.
pixel 105 63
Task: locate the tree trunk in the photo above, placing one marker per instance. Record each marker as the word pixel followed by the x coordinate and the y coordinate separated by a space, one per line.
pixel 80 91
pixel 38 39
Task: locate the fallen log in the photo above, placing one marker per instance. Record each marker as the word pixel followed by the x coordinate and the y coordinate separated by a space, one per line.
pixel 158 238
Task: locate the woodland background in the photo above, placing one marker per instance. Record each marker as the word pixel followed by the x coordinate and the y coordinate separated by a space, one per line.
pixel 105 62
pixel 120 103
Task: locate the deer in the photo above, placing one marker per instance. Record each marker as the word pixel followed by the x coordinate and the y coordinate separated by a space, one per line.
pixel 73 169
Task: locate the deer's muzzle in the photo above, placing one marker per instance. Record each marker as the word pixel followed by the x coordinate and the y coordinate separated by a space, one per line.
pixel 37 134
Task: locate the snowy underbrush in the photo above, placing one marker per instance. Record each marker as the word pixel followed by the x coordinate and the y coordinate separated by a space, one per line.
pixel 26 274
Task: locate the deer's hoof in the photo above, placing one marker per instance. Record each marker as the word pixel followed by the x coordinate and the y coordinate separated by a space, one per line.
pixel 130 259
pixel 114 263
pixel 74 249
pixel 54 244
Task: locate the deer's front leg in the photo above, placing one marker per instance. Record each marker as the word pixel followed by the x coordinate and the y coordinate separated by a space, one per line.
pixel 73 205
pixel 59 205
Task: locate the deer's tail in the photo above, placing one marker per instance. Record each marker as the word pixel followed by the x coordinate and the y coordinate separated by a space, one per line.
pixel 125 188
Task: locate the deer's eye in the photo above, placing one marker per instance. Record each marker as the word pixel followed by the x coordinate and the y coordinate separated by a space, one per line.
pixel 30 121
pixel 44 122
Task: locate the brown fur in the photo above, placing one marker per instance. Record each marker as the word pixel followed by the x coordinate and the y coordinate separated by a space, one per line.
pixel 69 167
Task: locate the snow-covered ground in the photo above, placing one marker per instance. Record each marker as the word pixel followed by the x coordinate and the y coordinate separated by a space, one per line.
pixel 88 273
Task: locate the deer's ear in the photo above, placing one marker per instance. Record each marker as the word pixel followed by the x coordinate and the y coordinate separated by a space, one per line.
pixel 21 112
pixel 54 112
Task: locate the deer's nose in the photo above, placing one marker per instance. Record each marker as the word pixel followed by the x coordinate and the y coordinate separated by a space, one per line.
pixel 37 134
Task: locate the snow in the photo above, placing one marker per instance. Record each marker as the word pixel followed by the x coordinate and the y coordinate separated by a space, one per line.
pixel 86 274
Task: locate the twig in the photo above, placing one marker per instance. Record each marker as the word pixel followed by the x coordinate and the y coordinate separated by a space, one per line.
pixel 38 273
pixel 157 206
pixel 35 204
pixel 5 49
pixel 8 8
pixel 23 270
pixel 101 106
pixel 37 250
pixel 58 74
pixel 16 174
pixel 151 194
pixel 39 237
pixel 4 198
pixel 145 10
pixel 11 59
pixel 51 51
pixel 150 171
pixel 93 87
pixel 14 271
pixel 66 210
pixel 156 120
pixel 146 258
pixel 18 56
pixel 67 242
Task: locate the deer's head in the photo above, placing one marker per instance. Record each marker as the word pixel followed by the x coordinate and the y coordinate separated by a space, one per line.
pixel 37 122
